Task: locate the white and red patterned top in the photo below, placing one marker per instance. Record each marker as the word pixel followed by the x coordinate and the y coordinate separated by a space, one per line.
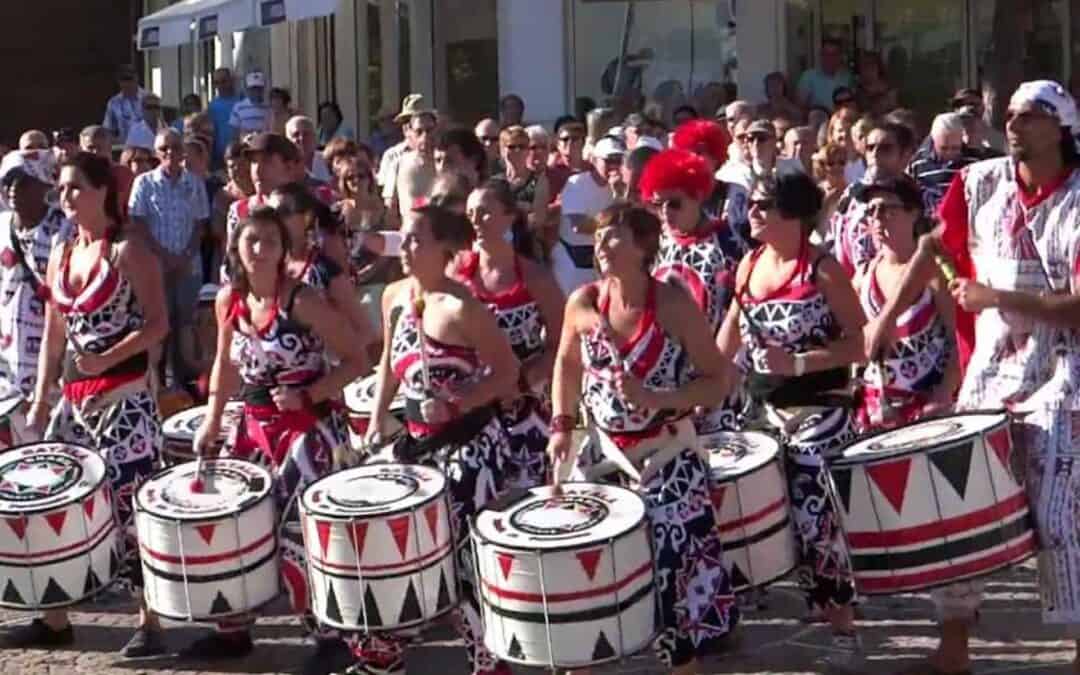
pixel 281 352
pixel 704 263
pixel 796 316
pixel 650 354
pixel 916 363
pixel 515 310
pixel 853 246
pixel 1026 242
pixel 451 367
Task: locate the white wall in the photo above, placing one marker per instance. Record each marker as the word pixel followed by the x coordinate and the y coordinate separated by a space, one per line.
pixel 532 63
pixel 759 32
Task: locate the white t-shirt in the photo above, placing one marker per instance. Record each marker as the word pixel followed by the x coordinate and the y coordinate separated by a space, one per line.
pixel 250 117
pixel 582 196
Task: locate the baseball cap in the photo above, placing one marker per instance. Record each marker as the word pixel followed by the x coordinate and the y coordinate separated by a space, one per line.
pixel 608 147
pixel 274 144
pixel 761 127
pixel 903 187
pixel 37 164
pixel 255 79
pixel 649 142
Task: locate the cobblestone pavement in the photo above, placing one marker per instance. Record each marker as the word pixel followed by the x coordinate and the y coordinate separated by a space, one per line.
pixel 897 632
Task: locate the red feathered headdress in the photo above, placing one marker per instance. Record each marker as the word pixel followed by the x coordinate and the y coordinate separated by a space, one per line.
pixel 703 137
pixel 677 170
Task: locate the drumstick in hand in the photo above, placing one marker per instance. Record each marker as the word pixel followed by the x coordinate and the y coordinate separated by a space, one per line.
pixel 425 371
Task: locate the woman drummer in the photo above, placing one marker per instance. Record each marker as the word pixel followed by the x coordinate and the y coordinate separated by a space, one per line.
pixel 798 315
pixel 444 347
pixel 105 310
pixel 317 255
pixel 920 373
pixel 274 334
pixel 528 305
pixel 626 343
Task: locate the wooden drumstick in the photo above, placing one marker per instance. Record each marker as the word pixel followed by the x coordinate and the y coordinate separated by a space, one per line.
pixel 884 404
pixel 425 370
pixel 197 485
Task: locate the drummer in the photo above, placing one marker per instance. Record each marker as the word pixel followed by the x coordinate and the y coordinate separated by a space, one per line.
pixel 798 315
pixel 273 338
pixel 106 309
pixel 919 374
pixel 697 252
pixel 444 347
pixel 27 235
pixel 317 255
pixel 528 305
pixel 623 340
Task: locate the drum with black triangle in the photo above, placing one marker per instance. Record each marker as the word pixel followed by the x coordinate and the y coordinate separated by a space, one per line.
pixel 380 547
pixel 566 578
pixel 208 543
pixel 61 535
pixel 179 431
pixel 750 497
pixel 932 503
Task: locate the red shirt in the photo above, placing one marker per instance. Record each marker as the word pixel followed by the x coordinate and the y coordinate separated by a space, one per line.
pixel 953 212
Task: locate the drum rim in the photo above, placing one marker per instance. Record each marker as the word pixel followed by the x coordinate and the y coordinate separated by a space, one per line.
pixel 778 459
pixel 139 507
pixel 474 531
pixel 839 460
pixel 398 397
pixel 177 438
pixel 55 507
pixel 979 575
pixel 302 500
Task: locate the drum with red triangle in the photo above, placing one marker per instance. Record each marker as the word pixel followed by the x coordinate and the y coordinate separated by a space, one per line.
pixel 380 547
pixel 179 431
pixel 208 543
pixel 61 537
pixel 566 578
pixel 932 503
pixel 750 497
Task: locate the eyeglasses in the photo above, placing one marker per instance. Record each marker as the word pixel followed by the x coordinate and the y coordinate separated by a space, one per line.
pixel 516 147
pixel 762 204
pixel 614 160
pixel 571 139
pixel 671 203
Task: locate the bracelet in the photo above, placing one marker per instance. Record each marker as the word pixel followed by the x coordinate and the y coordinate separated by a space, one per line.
pixel 800 365
pixel 562 424
pixel 305 399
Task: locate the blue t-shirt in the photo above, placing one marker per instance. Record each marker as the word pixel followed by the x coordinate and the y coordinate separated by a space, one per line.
pixel 220 110
pixel 820 87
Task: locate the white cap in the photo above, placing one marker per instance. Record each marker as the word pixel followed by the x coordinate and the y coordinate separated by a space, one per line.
pixel 649 142
pixel 608 146
pixel 38 164
pixel 255 79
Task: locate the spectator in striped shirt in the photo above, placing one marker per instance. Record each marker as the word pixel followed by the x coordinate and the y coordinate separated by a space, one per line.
pixel 251 115
pixel 935 164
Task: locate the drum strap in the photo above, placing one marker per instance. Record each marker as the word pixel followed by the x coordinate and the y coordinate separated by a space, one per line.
pixel 459 432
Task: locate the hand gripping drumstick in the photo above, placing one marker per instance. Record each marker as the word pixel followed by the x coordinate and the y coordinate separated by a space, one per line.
pixel 425 371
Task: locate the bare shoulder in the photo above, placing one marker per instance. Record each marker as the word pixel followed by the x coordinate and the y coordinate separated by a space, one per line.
pixel 392 291
pixel 673 301
pixel 132 252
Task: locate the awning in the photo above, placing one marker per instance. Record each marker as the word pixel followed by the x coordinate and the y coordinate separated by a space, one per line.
pixel 172 26
pixel 278 11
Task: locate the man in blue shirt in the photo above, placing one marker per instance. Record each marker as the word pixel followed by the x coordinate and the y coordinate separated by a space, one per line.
pixel 816 86
pixel 220 111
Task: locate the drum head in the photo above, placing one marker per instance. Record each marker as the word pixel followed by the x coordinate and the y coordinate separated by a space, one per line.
pixel 581 514
pixel 733 454
pixel 42 476
pixel 378 489
pixel 920 436
pixel 360 397
pixel 230 486
pixel 181 427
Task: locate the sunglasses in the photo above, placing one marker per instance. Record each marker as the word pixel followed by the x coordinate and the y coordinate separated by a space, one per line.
pixel 488 140
pixel 672 203
pixel 762 204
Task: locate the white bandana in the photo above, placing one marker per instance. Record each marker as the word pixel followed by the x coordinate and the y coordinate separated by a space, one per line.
pixel 1052 98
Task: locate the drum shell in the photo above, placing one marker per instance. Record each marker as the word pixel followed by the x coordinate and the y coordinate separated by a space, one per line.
pixel 604 618
pixel 84 556
pixel 177 446
pixel 754 522
pixel 209 568
pixel 931 516
pixel 402 573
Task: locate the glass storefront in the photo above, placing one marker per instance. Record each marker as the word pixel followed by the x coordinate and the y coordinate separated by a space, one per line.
pixel 668 51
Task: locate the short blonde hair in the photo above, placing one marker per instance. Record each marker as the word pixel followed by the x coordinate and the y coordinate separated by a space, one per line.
pixel 511 134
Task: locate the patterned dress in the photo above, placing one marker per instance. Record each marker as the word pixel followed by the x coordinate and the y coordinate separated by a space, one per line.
pixel 22 305
pixel 474 470
pixel 853 246
pixel 797 318
pixel 697 605
pixel 295 446
pixel 1029 242
pixel 704 263
pixel 526 418
pixel 913 367
pixel 113 413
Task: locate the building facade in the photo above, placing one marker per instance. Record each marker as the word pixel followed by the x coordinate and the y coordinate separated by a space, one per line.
pixel 560 55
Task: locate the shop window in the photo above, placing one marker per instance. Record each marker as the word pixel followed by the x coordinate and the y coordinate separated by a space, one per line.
pixel 668 51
